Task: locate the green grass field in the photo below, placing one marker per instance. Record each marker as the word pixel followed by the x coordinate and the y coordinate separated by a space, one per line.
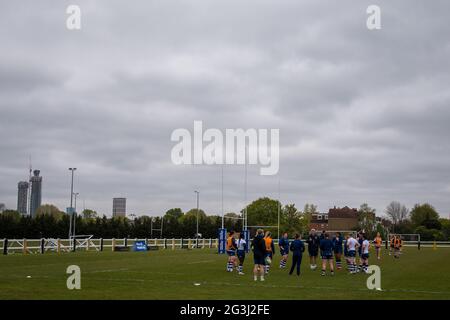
pixel 168 274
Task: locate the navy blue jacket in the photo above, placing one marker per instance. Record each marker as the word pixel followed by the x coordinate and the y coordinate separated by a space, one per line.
pixel 337 244
pixel 284 243
pixel 360 241
pixel 313 242
pixel 259 246
pixel 326 246
pixel 297 247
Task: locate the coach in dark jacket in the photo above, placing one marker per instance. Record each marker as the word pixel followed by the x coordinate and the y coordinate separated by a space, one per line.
pixel 297 248
pixel 259 254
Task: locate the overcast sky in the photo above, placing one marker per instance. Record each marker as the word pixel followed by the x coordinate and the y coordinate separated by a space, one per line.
pixel 364 116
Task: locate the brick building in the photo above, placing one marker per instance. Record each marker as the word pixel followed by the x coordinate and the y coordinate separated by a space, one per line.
pixel 336 219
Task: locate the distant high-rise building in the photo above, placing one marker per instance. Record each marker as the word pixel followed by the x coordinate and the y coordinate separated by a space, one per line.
pixel 36 192
pixel 22 197
pixel 119 207
pixel 2 207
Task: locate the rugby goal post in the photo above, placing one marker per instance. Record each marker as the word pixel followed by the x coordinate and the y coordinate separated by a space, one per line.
pixel 408 239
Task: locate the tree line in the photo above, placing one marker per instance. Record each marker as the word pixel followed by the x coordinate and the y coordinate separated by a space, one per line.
pixel 50 222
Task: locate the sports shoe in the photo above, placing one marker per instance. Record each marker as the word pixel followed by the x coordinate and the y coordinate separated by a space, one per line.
pixel 262 279
pixel 255 278
pixel 241 273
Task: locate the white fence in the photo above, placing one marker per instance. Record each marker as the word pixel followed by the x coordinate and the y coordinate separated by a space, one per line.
pixel 26 246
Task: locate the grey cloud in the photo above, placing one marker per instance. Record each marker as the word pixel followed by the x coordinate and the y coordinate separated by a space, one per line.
pixel 362 115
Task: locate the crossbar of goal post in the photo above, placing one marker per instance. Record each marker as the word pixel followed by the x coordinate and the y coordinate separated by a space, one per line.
pixel 402 237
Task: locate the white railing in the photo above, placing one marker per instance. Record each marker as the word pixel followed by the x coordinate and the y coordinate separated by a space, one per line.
pixel 31 246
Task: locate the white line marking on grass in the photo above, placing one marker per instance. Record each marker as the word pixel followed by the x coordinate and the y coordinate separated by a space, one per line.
pixel 203 261
pixel 108 270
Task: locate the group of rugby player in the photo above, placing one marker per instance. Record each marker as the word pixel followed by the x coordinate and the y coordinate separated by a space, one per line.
pixel 396 245
pixel 330 249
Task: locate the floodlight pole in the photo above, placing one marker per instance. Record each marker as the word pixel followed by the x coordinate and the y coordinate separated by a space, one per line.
pixel 223 214
pixel 279 206
pixel 75 213
pixel 198 195
pixel 71 199
pixel 245 224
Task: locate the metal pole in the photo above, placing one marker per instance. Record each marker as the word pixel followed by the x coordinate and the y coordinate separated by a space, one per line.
pixel 196 236
pixel 245 220
pixel 75 213
pixel 279 206
pixel 71 199
pixel 223 214
pixel 5 246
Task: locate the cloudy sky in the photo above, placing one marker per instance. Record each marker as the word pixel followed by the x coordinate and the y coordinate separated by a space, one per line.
pixel 364 116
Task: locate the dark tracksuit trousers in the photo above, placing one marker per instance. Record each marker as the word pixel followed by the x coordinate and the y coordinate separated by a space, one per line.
pixel 296 261
pixel 297 248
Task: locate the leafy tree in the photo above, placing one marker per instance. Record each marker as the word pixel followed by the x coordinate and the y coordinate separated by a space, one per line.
pixel 11 214
pixel 49 210
pixel 89 214
pixel 174 212
pixel 263 212
pixel 405 226
pixel 430 234
pixel 445 227
pixel 424 214
pixel 293 221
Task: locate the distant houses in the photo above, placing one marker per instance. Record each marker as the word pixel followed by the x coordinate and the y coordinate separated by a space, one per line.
pixel 344 218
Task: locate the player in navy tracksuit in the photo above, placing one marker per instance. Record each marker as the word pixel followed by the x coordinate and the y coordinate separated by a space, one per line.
pixel 241 245
pixel 326 251
pixel 360 242
pixel 297 248
pixel 346 255
pixel 283 243
pixel 313 248
pixel 337 248
pixel 259 253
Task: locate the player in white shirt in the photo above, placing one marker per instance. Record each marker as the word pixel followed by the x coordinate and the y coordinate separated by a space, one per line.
pixel 365 254
pixel 352 245
pixel 241 248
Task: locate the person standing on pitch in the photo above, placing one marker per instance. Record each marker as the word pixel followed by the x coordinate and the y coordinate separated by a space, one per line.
pixel 241 248
pixel 270 250
pixel 326 252
pixel 352 244
pixel 365 253
pixel 360 241
pixel 397 246
pixel 283 243
pixel 378 241
pixel 259 254
pixel 313 248
pixel 346 254
pixel 231 251
pixel 337 248
pixel 297 248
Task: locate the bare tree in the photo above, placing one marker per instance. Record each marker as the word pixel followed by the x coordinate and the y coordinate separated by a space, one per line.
pixel 396 212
